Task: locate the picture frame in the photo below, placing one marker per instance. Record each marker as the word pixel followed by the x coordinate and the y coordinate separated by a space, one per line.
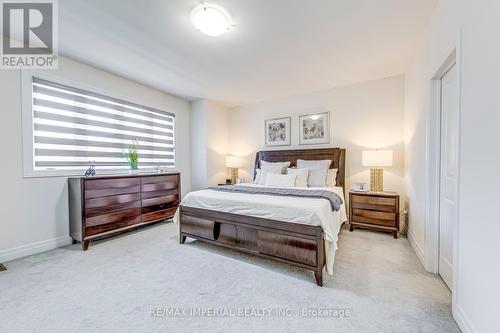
pixel 314 128
pixel 277 132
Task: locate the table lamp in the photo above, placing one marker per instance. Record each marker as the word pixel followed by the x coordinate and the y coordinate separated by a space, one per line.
pixel 377 159
pixel 234 162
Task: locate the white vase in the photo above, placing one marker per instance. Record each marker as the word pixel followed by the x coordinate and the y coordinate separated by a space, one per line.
pixel 133 171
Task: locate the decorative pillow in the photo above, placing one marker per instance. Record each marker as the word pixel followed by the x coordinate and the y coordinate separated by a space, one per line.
pixel 317 171
pixel 331 177
pixel 283 165
pixel 302 174
pixel 266 170
pixel 277 180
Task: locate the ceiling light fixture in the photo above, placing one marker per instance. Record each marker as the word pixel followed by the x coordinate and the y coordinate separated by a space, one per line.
pixel 210 19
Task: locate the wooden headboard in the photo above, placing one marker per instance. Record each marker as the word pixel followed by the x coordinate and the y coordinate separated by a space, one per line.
pixel 337 155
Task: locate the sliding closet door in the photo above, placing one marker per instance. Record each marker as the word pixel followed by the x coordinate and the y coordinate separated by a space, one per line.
pixel 449 173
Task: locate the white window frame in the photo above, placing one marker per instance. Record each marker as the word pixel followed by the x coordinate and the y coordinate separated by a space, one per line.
pixel 28 129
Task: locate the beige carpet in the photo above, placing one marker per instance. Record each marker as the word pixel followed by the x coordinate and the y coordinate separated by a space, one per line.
pixel 146 282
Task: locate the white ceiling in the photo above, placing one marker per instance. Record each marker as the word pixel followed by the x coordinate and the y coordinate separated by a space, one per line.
pixel 276 48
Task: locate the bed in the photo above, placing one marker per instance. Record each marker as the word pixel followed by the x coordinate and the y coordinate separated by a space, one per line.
pixel 299 231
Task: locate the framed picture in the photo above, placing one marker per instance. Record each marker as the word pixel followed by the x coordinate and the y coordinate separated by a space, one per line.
pixel 278 132
pixel 314 128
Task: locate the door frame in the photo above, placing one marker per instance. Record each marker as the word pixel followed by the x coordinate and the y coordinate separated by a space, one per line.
pixel 433 157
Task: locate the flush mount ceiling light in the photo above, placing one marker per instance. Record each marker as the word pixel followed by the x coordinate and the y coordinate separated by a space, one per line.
pixel 210 19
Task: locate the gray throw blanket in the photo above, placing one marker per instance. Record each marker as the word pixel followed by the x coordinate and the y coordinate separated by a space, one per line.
pixel 333 198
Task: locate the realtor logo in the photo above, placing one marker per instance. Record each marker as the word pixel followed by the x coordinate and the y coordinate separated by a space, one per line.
pixel 29 34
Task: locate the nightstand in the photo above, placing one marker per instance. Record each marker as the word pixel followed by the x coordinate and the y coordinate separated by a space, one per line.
pixel 374 210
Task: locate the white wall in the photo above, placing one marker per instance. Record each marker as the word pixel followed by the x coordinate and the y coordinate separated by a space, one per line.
pixel 363 116
pixel 209 143
pixel 35 210
pixel 476 262
pixel 198 145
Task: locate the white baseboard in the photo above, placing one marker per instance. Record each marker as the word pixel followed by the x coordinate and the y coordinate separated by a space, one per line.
pixel 463 320
pixel 33 248
pixel 416 247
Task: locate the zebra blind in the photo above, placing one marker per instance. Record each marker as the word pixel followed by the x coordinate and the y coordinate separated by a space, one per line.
pixel 72 127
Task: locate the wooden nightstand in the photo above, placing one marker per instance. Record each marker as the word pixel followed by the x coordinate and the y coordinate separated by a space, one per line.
pixel 374 210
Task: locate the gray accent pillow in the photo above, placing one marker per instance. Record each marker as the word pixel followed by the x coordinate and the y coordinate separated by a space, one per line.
pixel 317 171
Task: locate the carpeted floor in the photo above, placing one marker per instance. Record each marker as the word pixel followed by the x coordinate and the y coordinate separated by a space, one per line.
pixel 143 281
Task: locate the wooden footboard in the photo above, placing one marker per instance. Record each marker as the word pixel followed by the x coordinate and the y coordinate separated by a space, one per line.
pixel 296 244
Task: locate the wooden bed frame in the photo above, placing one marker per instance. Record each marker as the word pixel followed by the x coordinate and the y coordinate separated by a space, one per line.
pixel 296 244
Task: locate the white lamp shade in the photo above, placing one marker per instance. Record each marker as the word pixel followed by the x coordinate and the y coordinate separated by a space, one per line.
pixel 234 161
pixel 376 158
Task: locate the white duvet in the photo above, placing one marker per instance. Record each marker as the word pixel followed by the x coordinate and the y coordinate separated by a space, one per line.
pixel 311 211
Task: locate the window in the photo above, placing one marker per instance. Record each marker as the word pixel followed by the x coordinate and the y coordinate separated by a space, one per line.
pixel 71 127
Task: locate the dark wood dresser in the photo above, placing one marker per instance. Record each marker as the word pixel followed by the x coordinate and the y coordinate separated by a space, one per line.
pixel 105 206
pixel 374 210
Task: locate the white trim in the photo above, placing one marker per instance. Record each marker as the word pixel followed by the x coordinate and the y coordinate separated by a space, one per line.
pixel 463 320
pixel 33 248
pixel 433 156
pixel 456 233
pixel 432 169
pixel 417 248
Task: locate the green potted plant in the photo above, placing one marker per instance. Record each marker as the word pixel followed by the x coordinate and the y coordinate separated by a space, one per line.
pixel 132 156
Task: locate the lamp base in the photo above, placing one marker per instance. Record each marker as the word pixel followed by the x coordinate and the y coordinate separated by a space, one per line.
pixel 234 175
pixel 377 180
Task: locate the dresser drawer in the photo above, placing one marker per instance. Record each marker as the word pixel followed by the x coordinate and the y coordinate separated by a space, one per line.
pixel 166 200
pixel 95 211
pixel 113 217
pixel 112 200
pixel 160 182
pixel 363 199
pixel 89 194
pixel 159 214
pixel 112 183
pixel 374 206
pixel 126 222
pixel 374 217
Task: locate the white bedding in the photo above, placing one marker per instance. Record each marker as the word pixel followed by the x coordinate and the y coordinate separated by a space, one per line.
pixel 311 211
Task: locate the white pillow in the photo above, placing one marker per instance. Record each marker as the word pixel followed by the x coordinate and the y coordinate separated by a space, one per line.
pixel 301 174
pixel 331 177
pixel 277 180
pixel 317 171
pixel 283 165
pixel 265 170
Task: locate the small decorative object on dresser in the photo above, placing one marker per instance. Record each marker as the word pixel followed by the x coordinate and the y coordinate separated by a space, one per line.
pixel 362 187
pixel 105 206
pixel 314 128
pixel 90 172
pixel 374 210
pixel 277 132
pixel 132 156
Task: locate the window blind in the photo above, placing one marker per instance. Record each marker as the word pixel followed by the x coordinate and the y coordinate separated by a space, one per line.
pixel 72 127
